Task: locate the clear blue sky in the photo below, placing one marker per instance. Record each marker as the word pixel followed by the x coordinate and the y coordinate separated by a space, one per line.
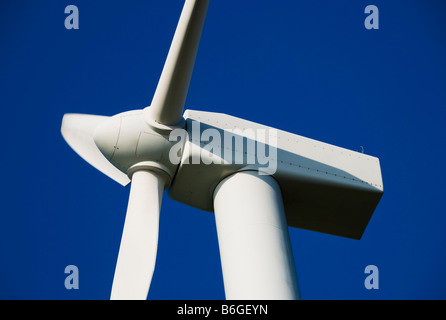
pixel 307 67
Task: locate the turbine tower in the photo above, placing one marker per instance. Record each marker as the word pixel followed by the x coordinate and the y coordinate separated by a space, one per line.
pixel 218 163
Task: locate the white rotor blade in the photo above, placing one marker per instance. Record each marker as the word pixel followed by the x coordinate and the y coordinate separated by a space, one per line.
pixel 170 95
pixel 137 253
pixel 77 130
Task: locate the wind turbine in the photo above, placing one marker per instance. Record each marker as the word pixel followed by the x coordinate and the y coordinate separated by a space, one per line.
pixel 308 184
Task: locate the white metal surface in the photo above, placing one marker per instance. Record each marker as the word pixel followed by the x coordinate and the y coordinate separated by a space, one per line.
pixel 137 253
pixel 325 188
pixel 256 256
pixel 168 101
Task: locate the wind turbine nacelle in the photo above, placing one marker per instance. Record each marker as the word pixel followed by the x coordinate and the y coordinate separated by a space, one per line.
pixel 130 143
pixel 324 188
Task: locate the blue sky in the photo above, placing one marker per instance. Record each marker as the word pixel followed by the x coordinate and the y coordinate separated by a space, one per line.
pixel 307 67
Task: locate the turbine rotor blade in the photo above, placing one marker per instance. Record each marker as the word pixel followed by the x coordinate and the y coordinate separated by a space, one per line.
pixel 77 130
pixel 139 242
pixel 170 95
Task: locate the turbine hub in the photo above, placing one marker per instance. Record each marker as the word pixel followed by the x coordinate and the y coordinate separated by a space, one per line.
pixel 130 143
